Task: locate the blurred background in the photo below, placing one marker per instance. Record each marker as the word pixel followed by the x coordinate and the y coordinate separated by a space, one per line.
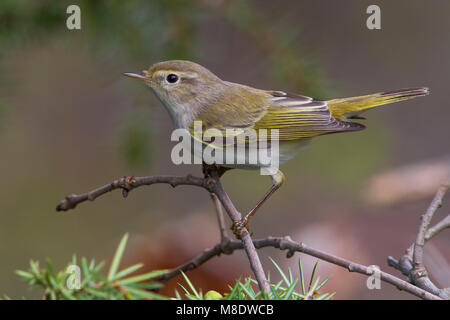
pixel 69 122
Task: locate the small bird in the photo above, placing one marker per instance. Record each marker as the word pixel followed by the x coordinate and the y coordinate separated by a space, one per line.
pixel 190 93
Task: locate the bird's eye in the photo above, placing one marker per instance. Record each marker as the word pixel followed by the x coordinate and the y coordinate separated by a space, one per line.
pixel 172 78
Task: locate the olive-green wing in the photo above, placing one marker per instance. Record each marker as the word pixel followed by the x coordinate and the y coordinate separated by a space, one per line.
pixel 234 112
pixel 298 117
pixel 243 111
pixel 238 106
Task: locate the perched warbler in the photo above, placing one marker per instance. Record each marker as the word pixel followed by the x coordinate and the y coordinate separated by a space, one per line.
pixel 192 93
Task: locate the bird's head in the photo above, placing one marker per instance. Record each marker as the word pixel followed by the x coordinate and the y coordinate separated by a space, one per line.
pixel 182 86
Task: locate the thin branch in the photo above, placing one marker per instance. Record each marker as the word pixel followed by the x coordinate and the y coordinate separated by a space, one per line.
pixel 437 228
pixel 219 214
pixel 426 220
pixel 411 263
pixel 286 243
pixel 129 183
pixel 419 274
pixel 244 235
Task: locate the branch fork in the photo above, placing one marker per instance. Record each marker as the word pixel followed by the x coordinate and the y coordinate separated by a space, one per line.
pixel 411 264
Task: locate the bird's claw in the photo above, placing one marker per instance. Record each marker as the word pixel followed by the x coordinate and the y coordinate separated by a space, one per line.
pixel 238 226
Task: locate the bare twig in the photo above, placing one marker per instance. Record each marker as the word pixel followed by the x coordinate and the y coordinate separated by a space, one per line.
pixel 419 274
pixel 438 227
pixel 411 263
pixel 426 220
pixel 219 213
pixel 129 183
pixel 244 235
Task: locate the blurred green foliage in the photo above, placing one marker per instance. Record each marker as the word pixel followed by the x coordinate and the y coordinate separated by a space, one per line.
pixel 285 289
pixel 278 40
pixel 143 29
pixel 136 144
pixel 90 283
pixel 138 29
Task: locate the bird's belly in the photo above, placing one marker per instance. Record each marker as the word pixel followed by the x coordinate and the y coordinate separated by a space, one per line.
pixel 287 150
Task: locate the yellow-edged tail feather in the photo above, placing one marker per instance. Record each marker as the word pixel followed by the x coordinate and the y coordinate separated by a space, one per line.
pixel 347 108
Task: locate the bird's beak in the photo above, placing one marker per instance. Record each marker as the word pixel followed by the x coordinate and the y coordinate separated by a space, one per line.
pixel 144 76
pixel 139 76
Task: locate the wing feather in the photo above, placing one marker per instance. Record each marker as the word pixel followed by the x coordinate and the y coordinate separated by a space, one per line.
pixel 298 117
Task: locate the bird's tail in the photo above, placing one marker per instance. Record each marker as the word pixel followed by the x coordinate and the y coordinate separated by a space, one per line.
pixel 347 108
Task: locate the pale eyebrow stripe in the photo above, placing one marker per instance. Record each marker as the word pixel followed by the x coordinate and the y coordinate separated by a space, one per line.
pixel 189 75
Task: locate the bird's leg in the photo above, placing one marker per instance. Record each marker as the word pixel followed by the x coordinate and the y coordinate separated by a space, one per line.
pixel 277 181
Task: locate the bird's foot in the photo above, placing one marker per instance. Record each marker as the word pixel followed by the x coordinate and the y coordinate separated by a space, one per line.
pixel 238 226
